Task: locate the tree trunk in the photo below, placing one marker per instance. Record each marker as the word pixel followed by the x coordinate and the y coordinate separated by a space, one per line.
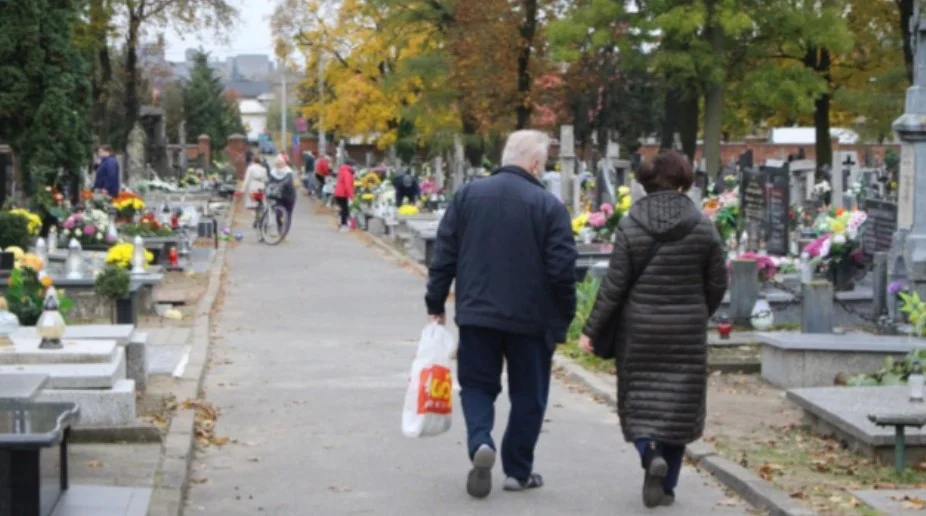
pixel 528 30
pixel 818 59
pixel 906 14
pixel 713 99
pixel 17 193
pixel 670 123
pixel 688 123
pixel 131 85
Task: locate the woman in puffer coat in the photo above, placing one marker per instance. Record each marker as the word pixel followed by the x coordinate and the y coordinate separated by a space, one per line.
pixel 666 277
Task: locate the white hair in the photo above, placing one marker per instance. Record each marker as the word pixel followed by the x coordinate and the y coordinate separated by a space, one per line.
pixel 279 162
pixel 525 146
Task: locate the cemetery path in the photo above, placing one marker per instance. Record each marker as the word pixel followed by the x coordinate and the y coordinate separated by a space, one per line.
pixel 309 365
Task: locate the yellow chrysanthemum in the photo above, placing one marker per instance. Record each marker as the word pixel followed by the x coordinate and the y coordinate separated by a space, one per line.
pixel 579 222
pixel 367 197
pixel 408 209
pixel 33 221
pixel 31 261
pixel 17 252
pixel 623 190
pixel 838 227
pixel 120 255
pixel 625 203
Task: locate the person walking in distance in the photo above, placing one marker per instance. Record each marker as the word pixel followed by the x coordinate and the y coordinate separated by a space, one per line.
pixel 666 277
pixel 508 243
pixel 322 171
pixel 106 177
pixel 344 192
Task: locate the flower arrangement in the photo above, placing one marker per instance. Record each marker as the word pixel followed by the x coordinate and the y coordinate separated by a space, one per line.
pixel 96 200
pixel 603 223
pixel 127 204
pixel 724 211
pixel 370 180
pixel 14 231
pixel 120 255
pixel 839 244
pixel 190 179
pixel 765 265
pixel 408 210
pixel 147 226
pixel 89 227
pixel 26 289
pixel 33 221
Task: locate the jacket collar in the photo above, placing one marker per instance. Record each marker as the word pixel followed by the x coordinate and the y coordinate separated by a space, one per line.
pixel 520 172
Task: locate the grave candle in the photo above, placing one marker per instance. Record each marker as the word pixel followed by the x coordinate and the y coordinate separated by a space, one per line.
pixel 75 260
pixel 50 325
pixel 916 382
pixel 53 239
pixel 41 250
pixel 111 234
pixel 138 255
pixel 173 258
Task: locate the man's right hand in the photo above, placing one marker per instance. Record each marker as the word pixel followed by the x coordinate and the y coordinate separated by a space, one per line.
pixel 439 319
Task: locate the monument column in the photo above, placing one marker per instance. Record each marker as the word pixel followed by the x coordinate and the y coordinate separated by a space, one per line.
pixel 911 128
pixel 567 159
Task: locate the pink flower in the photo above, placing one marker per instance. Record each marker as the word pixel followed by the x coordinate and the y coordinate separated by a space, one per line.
pixel 69 223
pixel 110 239
pixel 607 209
pixel 89 229
pixel 597 219
pixel 814 248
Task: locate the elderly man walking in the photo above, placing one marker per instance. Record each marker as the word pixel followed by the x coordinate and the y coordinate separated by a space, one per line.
pixel 508 243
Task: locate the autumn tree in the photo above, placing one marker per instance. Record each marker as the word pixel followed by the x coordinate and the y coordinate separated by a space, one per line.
pixel 143 15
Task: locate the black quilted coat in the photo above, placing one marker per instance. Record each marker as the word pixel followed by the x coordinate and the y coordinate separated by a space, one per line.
pixel 659 328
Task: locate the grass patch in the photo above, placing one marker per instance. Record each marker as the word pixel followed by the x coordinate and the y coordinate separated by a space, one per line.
pixel 817 470
pixel 587 360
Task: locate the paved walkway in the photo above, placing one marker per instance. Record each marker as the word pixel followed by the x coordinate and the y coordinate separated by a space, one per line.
pixel 309 368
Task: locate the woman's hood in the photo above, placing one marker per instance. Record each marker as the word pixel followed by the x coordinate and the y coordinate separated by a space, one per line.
pixel 668 216
pixel 281 173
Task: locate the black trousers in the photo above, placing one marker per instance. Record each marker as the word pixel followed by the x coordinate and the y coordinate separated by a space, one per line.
pixel 343 208
pixel 481 357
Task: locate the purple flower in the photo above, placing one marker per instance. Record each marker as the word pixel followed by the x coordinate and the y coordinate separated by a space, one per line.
pixel 894 288
pixel 110 239
pixel 89 229
pixel 69 223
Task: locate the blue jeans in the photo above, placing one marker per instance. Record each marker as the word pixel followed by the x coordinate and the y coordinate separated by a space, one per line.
pixel 481 357
pixel 673 454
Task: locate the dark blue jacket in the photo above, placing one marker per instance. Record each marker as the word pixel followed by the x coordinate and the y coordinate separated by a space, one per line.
pixel 107 176
pixel 508 243
pixel 406 185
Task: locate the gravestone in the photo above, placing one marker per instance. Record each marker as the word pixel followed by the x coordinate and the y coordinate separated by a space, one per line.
pixel 778 226
pixel 878 232
pixel 754 207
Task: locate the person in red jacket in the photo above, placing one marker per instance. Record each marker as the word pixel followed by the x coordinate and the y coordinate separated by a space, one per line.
pixel 322 171
pixel 344 191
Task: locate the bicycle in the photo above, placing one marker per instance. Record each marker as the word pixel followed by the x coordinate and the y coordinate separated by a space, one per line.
pixel 271 220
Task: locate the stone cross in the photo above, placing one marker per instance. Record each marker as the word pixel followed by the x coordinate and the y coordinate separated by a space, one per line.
pixel 567 159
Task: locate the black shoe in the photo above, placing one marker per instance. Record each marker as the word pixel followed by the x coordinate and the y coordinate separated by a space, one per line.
pixel 667 499
pixel 656 469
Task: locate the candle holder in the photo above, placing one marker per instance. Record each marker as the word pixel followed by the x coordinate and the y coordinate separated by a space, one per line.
pixel 915 381
pixel 41 250
pixel 172 258
pixel 724 326
pixel 52 239
pixel 75 260
pixel 111 234
pixel 138 256
pixel 50 325
pixel 186 247
pixel 9 323
pixel 165 218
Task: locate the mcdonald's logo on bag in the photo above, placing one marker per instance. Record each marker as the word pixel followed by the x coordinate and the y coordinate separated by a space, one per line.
pixel 435 390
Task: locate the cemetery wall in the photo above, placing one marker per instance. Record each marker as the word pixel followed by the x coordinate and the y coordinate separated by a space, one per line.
pixel 762 150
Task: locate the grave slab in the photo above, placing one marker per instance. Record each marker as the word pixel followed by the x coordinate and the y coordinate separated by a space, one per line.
pixel 794 359
pixel 843 412
pixel 117 332
pixel 83 500
pixel 892 501
pixel 26 351
pixel 73 376
pixel 21 386
pixel 109 407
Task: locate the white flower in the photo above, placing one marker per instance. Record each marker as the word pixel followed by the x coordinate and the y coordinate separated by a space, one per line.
pixel 825 248
pixel 79 232
pixel 839 239
pixel 99 236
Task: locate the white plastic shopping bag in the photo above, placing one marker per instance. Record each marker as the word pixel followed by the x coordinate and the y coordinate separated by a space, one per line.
pixel 429 398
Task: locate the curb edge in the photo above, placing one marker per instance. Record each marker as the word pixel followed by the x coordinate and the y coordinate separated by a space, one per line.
pixel 172 477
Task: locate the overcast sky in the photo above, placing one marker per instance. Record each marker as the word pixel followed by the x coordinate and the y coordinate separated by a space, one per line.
pixel 251 36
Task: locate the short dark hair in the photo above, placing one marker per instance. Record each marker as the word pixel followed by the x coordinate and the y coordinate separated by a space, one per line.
pixel 668 170
pixel 106 147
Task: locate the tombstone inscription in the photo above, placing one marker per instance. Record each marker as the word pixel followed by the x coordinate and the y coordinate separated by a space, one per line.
pixel 878 232
pixel 754 207
pixel 778 200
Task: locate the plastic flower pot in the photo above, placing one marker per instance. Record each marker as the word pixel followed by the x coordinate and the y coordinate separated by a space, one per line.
pixel 125 310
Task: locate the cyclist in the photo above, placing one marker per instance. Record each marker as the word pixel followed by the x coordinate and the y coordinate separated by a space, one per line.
pixel 281 181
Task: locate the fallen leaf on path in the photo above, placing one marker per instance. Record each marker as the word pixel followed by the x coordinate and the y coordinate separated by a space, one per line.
pixel 94 464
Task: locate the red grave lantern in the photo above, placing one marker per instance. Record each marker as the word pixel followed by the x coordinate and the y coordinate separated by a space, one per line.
pixel 173 258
